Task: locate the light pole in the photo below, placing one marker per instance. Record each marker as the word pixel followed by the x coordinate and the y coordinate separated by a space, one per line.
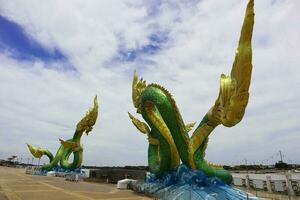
pixel 280 156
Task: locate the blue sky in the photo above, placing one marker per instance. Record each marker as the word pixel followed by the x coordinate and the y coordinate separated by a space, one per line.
pixel 13 38
pixel 53 65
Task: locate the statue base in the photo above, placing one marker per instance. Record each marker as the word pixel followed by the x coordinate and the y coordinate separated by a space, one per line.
pixel 185 183
pixel 56 171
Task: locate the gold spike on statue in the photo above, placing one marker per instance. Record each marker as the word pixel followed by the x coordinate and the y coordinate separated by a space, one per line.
pixel 189 127
pixel 68 144
pixel 137 89
pixel 141 126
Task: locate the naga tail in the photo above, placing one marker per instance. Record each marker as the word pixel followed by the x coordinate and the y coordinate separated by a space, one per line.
pixel 39 152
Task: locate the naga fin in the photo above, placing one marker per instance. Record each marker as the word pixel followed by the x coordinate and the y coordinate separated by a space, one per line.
pixel 234 89
pixel 68 144
pixel 189 126
pixel 141 126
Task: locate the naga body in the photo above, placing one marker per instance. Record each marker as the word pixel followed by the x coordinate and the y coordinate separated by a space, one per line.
pixel 169 142
pixel 85 125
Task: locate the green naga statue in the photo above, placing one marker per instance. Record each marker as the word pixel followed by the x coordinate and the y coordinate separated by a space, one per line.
pixel 85 125
pixel 168 137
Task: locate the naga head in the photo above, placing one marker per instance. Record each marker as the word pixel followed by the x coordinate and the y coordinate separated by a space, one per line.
pixel 230 106
pixel 88 121
pixel 138 86
pixel 233 103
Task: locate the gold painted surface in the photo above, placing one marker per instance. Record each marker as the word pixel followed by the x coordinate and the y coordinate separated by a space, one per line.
pixel 189 127
pixel 88 121
pixel 216 166
pixel 138 86
pixel 72 145
pixel 68 144
pixel 234 89
pixel 196 140
pixel 165 132
pixel 37 152
pixel 141 126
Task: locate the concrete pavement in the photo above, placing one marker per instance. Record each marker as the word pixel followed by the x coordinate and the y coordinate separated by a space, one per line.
pixel 16 185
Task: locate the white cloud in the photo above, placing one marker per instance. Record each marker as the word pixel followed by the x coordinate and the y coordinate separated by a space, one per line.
pixel 39 105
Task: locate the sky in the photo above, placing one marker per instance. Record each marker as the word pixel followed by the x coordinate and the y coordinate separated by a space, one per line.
pixel 55 56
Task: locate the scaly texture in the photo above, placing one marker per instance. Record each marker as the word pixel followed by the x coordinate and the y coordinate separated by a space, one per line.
pixel 168 135
pixel 85 125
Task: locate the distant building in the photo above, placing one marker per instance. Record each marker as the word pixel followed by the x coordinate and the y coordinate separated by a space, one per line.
pixel 113 175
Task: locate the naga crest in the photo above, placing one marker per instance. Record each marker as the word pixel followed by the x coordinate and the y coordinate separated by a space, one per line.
pixel 88 121
pixel 138 86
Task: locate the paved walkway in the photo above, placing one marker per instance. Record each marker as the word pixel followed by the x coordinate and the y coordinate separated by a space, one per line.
pixel 16 185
